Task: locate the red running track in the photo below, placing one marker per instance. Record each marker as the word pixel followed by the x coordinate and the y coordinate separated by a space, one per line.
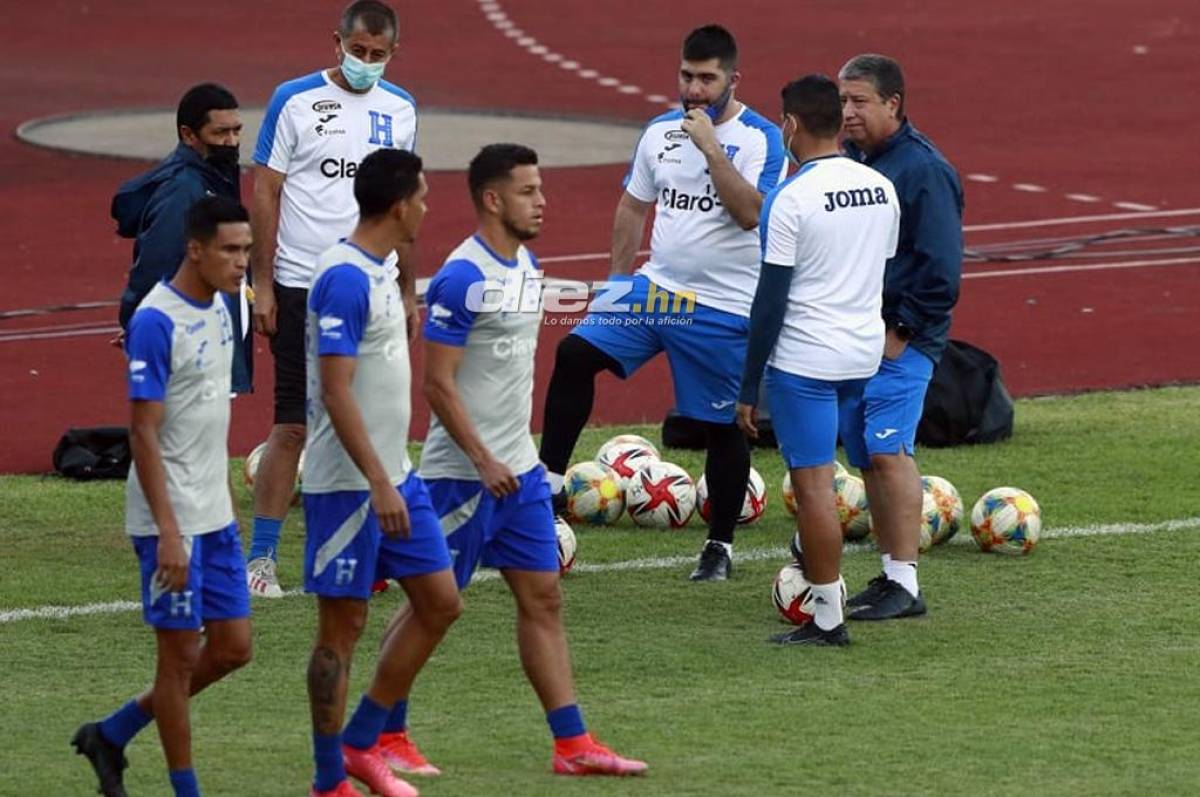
pixel 1037 94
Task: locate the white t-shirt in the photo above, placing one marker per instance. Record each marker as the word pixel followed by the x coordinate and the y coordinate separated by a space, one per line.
pixel 355 310
pixel 696 245
pixel 317 133
pixel 836 222
pixel 180 353
pixel 499 340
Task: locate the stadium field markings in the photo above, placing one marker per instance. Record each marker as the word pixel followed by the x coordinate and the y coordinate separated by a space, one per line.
pixel 652 563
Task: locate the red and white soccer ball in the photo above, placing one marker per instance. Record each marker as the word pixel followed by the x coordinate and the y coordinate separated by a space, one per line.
pixel 566 545
pixel 625 459
pixel 793 597
pixel 660 495
pixel 593 494
pixel 627 438
pixel 753 507
pixel 789 494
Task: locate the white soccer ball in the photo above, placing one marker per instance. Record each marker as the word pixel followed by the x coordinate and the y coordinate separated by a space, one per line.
pixel 793 597
pixel 566 545
pixel 250 469
pixel 947 510
pixel 660 495
pixel 626 438
pixel 624 459
pixel 753 506
pixel 1006 520
pixel 850 497
pixel 593 493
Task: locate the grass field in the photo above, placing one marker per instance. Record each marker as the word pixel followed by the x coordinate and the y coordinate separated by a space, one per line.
pixel 1068 672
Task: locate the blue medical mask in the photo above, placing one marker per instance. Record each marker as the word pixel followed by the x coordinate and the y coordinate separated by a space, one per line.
pixel 361 76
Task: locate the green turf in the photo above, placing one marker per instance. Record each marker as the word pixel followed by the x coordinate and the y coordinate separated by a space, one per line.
pixel 1071 671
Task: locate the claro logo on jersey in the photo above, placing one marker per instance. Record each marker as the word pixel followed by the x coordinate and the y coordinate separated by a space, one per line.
pixel 678 200
pixel 337 168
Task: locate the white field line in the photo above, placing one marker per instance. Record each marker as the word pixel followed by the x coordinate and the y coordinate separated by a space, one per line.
pixel 653 563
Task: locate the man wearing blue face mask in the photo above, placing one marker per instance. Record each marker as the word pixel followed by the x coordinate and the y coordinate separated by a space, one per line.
pixel 316 131
pixel 704 169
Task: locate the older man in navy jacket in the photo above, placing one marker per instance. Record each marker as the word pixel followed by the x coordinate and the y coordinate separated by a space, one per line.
pixel 152 207
pixel 920 289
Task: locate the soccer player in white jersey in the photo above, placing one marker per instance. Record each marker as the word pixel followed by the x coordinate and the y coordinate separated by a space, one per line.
pixel 479 459
pixel 316 131
pixel 827 233
pixel 179 507
pixel 368 515
pixel 704 169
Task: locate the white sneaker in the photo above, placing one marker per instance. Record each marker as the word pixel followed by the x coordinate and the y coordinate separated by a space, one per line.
pixel 261 578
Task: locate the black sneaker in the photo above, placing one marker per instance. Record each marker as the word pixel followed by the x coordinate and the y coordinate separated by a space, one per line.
pixel 714 564
pixel 811 634
pixel 892 601
pixel 794 547
pixel 106 758
pixel 868 596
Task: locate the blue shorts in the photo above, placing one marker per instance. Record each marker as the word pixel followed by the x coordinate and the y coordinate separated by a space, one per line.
pixel 345 550
pixel 809 415
pixel 892 405
pixel 514 532
pixel 216 586
pixel 706 348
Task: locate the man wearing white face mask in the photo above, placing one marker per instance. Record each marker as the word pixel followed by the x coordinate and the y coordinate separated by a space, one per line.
pixel 316 131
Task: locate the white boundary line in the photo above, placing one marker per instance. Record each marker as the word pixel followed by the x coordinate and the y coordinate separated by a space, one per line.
pixel 655 563
pixel 1021 225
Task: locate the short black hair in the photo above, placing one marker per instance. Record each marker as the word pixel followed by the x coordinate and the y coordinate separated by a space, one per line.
pixel 814 100
pixel 198 101
pixel 210 212
pixel 883 72
pixel 385 177
pixel 374 16
pixel 711 41
pixel 496 162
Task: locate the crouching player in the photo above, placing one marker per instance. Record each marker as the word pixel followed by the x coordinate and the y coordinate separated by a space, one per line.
pixel 826 234
pixel 178 505
pixel 479 458
pixel 368 514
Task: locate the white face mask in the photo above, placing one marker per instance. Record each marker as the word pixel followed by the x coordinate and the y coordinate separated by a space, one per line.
pixel 361 76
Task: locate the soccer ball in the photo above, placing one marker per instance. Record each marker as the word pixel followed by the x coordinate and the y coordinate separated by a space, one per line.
pixel 252 459
pixel 792 594
pixel 945 517
pixel 850 498
pixel 789 494
pixel 1006 520
pixel 592 494
pixel 660 495
pixel 566 545
pixel 624 459
pixel 753 507
pixel 626 438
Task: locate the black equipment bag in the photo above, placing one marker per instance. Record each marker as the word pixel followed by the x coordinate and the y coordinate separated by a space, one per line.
pixel 967 402
pixel 681 432
pixel 99 453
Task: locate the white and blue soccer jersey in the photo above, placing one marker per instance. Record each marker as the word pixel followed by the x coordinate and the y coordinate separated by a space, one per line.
pixel 180 353
pixel 355 310
pixel 696 245
pixel 836 222
pixel 492 308
pixel 317 133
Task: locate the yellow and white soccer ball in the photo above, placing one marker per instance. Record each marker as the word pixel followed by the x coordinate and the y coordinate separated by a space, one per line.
pixel 567 545
pixel 944 518
pixel 627 438
pixel 792 595
pixel 850 498
pixel 625 458
pixel 789 493
pixel 660 495
pixel 593 494
pixel 1006 520
pixel 753 506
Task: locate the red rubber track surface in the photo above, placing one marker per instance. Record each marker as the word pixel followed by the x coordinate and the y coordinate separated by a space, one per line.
pixel 1090 99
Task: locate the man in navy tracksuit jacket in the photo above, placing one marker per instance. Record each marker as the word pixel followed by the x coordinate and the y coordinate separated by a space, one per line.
pixel 920 289
pixel 152 207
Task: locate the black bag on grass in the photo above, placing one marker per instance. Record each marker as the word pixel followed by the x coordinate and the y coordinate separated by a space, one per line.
pixel 99 453
pixel 681 432
pixel 967 402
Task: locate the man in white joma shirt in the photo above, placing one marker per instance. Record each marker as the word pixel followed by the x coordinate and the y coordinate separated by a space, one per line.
pixel 827 233
pixel 317 129
pixel 704 169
